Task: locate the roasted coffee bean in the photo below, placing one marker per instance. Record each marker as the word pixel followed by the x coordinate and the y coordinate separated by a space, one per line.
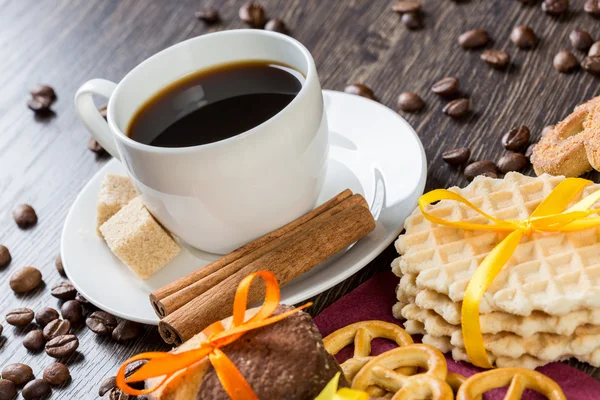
pixel 276 25
pixel 410 102
pixel 547 129
pixel 529 150
pixel 594 50
pixel 36 389
pixel 56 374
pixel 18 373
pixel 131 369
pixel 591 64
pixel 496 58
pixel 82 300
pixel 25 279
pixel 34 340
pixel 403 6
pixel 480 167
pixel 448 86
pixel 474 38
pixel 5 257
pixel 101 323
pixel 555 8
pixel 56 328
pixel 116 394
pixel 20 316
pixel 458 156
pixel 581 40
pixel 512 161
pixel 95 147
pixel 8 390
pixel 63 290
pixel 524 37
pixel 457 108
pixel 517 138
pixel 25 216
pixel 45 315
pixel 252 14
pixel 360 90
pixel 62 346
pixel 412 21
pixel 592 7
pixel 491 174
pixel 71 311
pixel 1 329
pixel 107 384
pixel 59 265
pixel 126 330
pixel 39 104
pixel 565 61
pixel 43 91
pixel 208 15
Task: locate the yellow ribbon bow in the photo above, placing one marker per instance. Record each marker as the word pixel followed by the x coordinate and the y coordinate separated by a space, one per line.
pixel 331 392
pixel 550 216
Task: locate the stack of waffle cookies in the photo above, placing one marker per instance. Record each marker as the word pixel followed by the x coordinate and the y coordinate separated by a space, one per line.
pixel 545 304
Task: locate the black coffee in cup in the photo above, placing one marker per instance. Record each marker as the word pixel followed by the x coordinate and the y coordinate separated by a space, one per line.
pixel 215 104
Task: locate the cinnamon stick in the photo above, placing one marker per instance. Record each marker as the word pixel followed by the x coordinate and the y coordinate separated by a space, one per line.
pixel 309 246
pixel 174 300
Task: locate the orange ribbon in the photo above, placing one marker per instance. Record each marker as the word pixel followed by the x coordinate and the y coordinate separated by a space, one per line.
pixel 166 365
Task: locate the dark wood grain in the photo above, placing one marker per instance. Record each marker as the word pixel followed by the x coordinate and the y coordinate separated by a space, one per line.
pixel 66 42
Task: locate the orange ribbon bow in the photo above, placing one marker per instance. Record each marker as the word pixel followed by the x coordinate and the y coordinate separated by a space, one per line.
pixel 166 365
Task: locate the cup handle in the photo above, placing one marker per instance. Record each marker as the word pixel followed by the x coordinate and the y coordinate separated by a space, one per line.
pixel 90 116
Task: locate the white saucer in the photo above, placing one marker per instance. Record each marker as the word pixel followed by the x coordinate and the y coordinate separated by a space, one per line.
pixel 373 152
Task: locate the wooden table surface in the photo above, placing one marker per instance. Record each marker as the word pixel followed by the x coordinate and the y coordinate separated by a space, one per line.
pixel 66 42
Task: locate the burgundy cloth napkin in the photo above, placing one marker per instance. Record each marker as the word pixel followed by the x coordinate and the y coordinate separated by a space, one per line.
pixel 374 300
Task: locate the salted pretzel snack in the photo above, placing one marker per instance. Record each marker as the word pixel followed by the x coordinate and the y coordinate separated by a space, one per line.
pixel 362 333
pixel 573 146
pixel 382 372
pixel 519 379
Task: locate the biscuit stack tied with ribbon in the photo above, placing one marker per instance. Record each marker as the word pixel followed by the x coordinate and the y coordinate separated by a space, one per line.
pixel 504 272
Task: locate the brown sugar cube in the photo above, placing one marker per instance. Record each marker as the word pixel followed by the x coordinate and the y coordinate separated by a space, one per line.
pixel 138 240
pixel 115 193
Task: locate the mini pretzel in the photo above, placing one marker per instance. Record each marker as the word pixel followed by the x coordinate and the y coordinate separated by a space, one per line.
pixel 573 146
pixel 455 381
pixel 362 333
pixel 381 372
pixel 519 379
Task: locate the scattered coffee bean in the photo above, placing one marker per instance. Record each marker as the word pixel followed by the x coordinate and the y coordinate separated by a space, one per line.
pixel 63 290
pixel 403 7
pixel 18 373
pixel 208 15
pixel 71 311
pixel 581 40
pixel 252 14
pixel 496 58
pixel 107 384
pixel 59 265
pixel 517 138
pixel 594 50
pixel 276 25
pixel 25 216
pixel 103 110
pixel 43 91
pixel 126 330
pixel 360 90
pixel 8 390
pixel 474 38
pixel 547 129
pixel 592 7
pixel 36 389
pixel 524 37
pixel 529 150
pixel 34 340
pixel 42 97
pixel 512 161
pixel 1 329
pixel 412 21
pixel 95 147
pixel 457 108
pixel 490 174
pixel 101 323
pixel 82 300
pixel 56 374
pixel 62 346
pixel 410 102
pixel 448 86
pixel 20 317
pixel 591 64
pixel 555 8
pixel 45 315
pixel 565 61
pixel 116 394
pixel 456 157
pixel 5 257
pixel 25 279
pixel 480 167
pixel 56 328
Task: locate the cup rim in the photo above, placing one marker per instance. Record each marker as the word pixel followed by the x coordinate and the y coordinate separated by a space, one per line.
pixel 310 76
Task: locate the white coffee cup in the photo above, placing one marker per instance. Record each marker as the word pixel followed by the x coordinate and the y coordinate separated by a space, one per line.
pixel 218 196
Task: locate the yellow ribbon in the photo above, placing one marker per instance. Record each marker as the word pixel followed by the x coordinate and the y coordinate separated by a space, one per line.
pixel 331 392
pixel 550 216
